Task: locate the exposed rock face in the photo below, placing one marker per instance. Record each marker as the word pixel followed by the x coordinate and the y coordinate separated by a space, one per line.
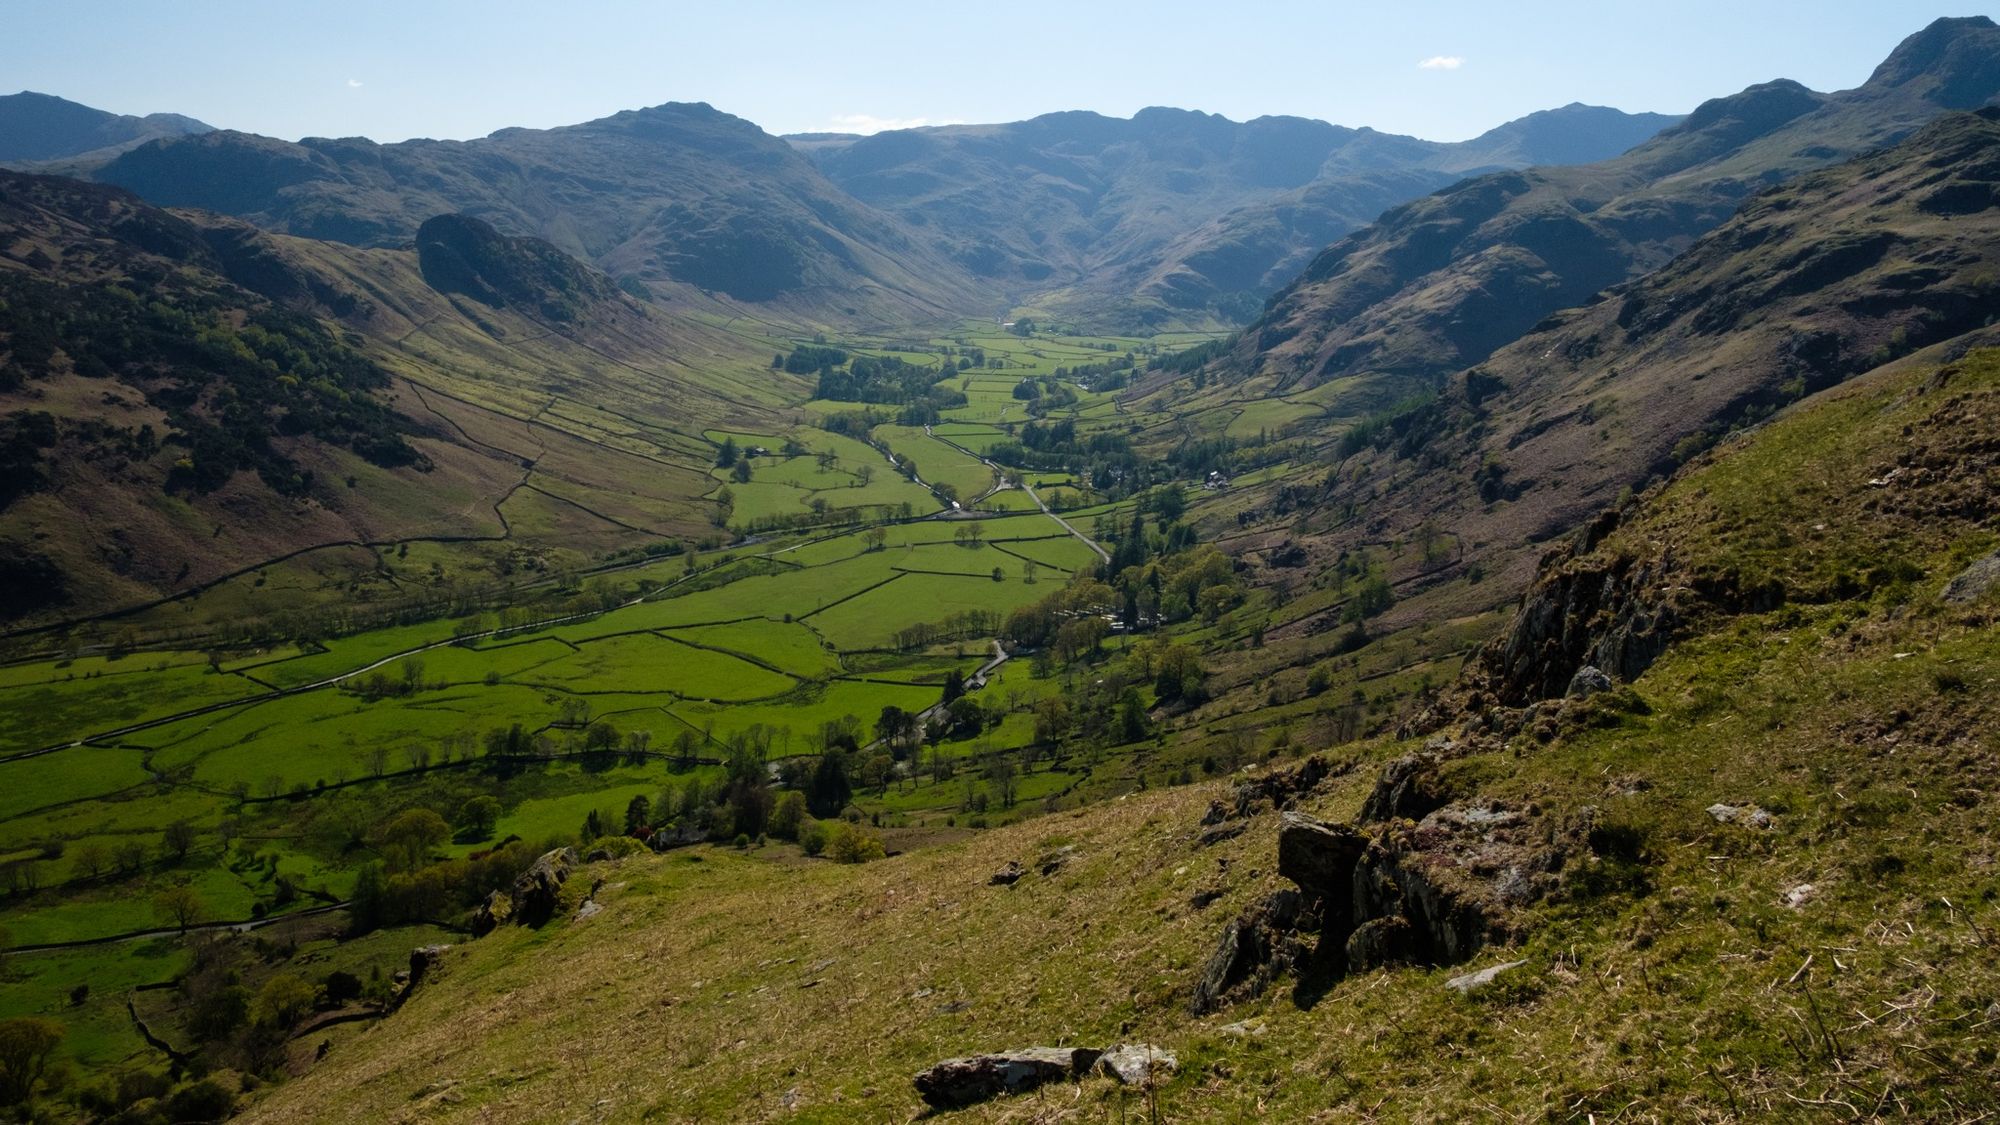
pixel 1320 857
pixel 1253 950
pixel 1473 982
pixel 536 890
pixel 954 1083
pixel 1279 789
pixel 1435 891
pixel 1409 787
pixel 492 914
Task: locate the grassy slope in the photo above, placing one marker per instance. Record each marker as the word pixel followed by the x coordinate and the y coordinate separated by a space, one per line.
pixel 1681 988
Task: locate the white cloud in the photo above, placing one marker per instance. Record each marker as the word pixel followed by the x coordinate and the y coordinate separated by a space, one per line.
pixel 869 123
pixel 1442 62
pixel 354 83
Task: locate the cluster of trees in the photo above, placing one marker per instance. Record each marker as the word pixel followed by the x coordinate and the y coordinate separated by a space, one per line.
pixel 954 627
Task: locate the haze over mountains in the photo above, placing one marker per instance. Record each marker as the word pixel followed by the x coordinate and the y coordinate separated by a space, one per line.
pixel 38 128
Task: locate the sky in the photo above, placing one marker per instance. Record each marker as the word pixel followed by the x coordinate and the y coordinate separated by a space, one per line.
pixel 451 69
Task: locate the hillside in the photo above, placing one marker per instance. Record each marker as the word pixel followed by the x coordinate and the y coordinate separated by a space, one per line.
pixel 1172 214
pixel 1750 896
pixel 195 409
pixel 38 128
pixel 680 196
pixel 1440 283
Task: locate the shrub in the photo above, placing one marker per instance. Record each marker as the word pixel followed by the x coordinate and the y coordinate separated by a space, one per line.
pixel 849 843
pixel 812 837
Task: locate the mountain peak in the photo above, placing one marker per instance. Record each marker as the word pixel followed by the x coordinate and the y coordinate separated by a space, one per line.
pixel 1957 58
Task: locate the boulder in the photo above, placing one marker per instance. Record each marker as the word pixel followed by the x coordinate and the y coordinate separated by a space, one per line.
pixel 492 914
pixel 955 1083
pixel 1216 814
pixel 1320 857
pixel 1254 948
pixel 1749 816
pixel 1135 1064
pixel 1007 876
pixel 1381 941
pixel 1054 861
pixel 1217 833
pixel 1588 681
pixel 537 890
pixel 1975 581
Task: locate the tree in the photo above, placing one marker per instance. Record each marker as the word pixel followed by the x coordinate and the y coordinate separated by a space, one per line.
pixel 638 814
pixel 178 906
pixel 282 1001
pixel 477 818
pixel 177 840
pixel 593 825
pixel 863 475
pixel 26 1042
pixel 726 456
pixel 788 815
pixel 954 685
pixel 368 905
pixel 829 790
pixel 89 860
pixel 741 473
pixel 406 839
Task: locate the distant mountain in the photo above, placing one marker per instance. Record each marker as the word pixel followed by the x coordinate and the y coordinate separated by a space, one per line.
pixel 1172 213
pixel 1439 283
pixel 1891 257
pixel 184 398
pixel 40 127
pixel 673 194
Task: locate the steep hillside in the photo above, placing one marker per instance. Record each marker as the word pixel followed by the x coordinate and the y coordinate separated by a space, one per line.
pixel 1440 283
pixel 1172 214
pixel 195 409
pixel 676 193
pixel 36 128
pixel 1835 274
pixel 1752 883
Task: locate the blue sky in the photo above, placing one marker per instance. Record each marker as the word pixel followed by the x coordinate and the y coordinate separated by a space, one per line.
pixel 452 69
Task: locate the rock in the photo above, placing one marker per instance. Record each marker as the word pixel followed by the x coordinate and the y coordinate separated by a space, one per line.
pixel 1007 876
pixel 493 913
pixel 536 890
pixel 1749 816
pixel 1202 899
pixel 1410 786
pixel 1216 814
pixel 1588 681
pixel 1253 949
pixel 1800 895
pixel 1134 1064
pixel 1054 861
pixel 424 962
pixel 1381 941
pixel 955 1083
pixel 1459 875
pixel 1280 788
pixel 1243 1029
pixel 1975 581
pixel 589 909
pixel 1216 834
pixel 1320 857
pixel 1470 982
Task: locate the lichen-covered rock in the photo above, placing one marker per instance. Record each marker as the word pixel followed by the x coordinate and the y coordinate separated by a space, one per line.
pixel 1588 681
pixel 1281 787
pixel 538 890
pixel 1411 786
pixel 1007 876
pixel 1975 581
pixel 495 912
pixel 1134 1064
pixel 1381 941
pixel 1253 950
pixel 955 1083
pixel 1460 875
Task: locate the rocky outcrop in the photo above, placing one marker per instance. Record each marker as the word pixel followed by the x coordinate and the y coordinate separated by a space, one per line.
pixel 1280 788
pixel 1007 876
pixel 495 912
pixel 1264 942
pixel 955 1083
pixel 537 890
pixel 1411 786
pixel 1975 581
pixel 1433 891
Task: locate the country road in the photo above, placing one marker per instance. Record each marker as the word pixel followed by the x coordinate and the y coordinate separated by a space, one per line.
pixel 1025 487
